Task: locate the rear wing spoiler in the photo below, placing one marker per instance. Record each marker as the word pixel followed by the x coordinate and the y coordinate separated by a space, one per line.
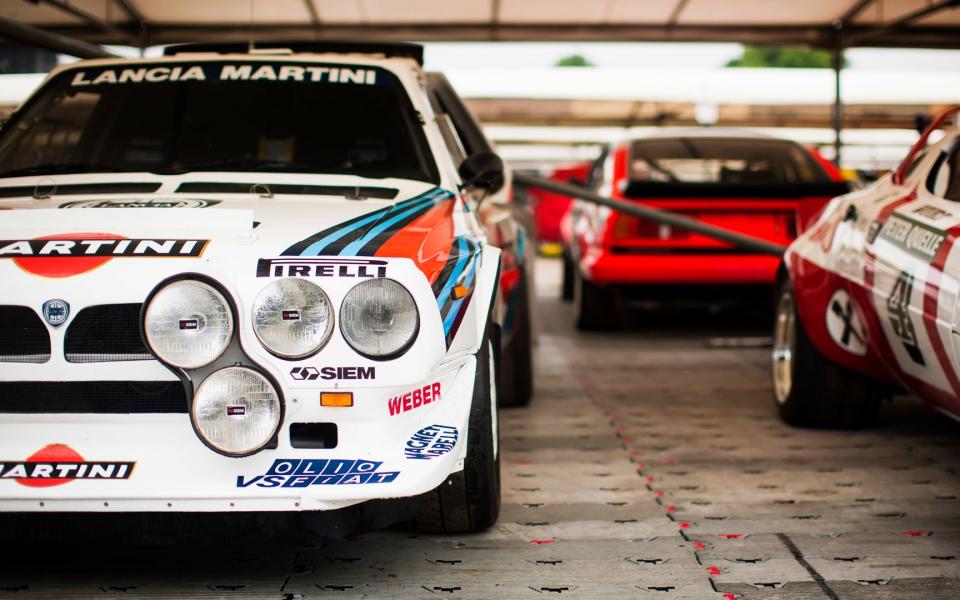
pixel 666 189
pixel 387 49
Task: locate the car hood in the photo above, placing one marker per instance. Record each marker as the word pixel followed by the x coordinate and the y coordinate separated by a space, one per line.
pixel 229 228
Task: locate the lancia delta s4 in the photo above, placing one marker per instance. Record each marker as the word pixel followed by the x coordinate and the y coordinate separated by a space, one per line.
pixel 247 280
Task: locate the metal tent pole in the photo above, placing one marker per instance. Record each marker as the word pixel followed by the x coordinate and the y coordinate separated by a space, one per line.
pixel 837 101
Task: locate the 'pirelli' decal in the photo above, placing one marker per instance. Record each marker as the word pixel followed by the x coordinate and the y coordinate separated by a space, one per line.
pixel 321 267
pixel 912 236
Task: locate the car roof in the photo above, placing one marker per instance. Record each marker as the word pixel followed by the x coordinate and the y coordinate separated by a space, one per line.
pixel 704 133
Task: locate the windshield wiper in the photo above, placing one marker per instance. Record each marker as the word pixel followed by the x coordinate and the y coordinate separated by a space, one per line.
pixel 58 169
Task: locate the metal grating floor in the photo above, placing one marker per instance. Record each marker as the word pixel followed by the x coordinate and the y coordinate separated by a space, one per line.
pixel 650 465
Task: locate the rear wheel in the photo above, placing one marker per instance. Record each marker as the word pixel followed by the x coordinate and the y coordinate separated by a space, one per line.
pixel 469 500
pixel 516 365
pixel 594 306
pixel 809 390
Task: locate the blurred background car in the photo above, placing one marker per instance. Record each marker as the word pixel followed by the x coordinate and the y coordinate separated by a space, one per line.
pixel 765 187
pixel 550 207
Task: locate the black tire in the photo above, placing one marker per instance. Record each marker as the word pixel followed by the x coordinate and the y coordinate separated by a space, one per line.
pixel 516 364
pixel 567 281
pixel 594 306
pixel 469 500
pixel 808 389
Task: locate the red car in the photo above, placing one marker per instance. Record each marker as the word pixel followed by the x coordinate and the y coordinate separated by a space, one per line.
pixel 868 297
pixel 549 207
pixel 761 186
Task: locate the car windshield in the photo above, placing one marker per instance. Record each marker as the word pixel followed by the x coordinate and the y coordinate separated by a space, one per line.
pixel 722 160
pixel 170 118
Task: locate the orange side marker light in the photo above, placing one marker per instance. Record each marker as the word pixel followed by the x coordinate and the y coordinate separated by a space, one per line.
pixel 336 399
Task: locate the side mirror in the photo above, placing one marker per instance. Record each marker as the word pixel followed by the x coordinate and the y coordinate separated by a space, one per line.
pixel 483 170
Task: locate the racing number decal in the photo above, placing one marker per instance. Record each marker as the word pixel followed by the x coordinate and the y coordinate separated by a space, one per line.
pixel 898 309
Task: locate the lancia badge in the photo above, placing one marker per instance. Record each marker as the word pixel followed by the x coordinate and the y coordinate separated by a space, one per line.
pixel 55 312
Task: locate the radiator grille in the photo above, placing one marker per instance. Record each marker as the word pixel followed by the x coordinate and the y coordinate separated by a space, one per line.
pixel 23 336
pixel 107 332
pixel 84 397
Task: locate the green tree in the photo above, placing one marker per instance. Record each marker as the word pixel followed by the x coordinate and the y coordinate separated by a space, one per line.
pixel 783 57
pixel 574 60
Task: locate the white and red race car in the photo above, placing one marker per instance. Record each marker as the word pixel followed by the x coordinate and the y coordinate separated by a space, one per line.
pixel 869 297
pixel 249 281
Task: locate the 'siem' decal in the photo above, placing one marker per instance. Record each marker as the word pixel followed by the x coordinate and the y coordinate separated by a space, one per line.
pixel 326 373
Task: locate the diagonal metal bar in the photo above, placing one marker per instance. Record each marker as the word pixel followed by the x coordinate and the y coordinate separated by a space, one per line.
pixel 852 13
pixel 31 36
pixel 93 20
pixel 133 12
pixel 678 9
pixel 314 13
pixel 138 20
pixel 653 214
pixel 930 9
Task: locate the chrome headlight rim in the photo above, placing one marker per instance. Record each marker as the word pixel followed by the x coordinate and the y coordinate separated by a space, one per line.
pixel 332 313
pixel 397 353
pixel 277 389
pixel 201 278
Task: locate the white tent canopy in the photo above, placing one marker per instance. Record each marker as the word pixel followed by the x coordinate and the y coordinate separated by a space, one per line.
pixel 931 23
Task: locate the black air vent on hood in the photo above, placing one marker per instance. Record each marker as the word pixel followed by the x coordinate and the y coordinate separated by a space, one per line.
pixel 79 188
pixel 214 187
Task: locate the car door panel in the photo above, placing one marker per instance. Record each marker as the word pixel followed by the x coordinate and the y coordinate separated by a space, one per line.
pixel 914 297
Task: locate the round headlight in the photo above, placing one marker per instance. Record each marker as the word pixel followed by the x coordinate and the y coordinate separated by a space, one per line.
pixel 236 411
pixel 292 318
pixel 188 324
pixel 379 318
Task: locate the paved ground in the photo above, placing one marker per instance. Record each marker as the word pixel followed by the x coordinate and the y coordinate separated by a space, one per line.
pixel 650 465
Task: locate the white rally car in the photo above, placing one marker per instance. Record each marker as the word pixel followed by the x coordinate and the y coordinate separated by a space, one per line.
pixel 239 280
pixel 869 299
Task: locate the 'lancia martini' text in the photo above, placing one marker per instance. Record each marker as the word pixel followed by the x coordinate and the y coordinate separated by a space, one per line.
pixel 228 72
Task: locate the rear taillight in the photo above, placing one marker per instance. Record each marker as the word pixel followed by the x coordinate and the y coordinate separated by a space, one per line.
pixel 627 228
pixel 791 226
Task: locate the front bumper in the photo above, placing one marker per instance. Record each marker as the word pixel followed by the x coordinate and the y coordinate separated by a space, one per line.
pixel 378 455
